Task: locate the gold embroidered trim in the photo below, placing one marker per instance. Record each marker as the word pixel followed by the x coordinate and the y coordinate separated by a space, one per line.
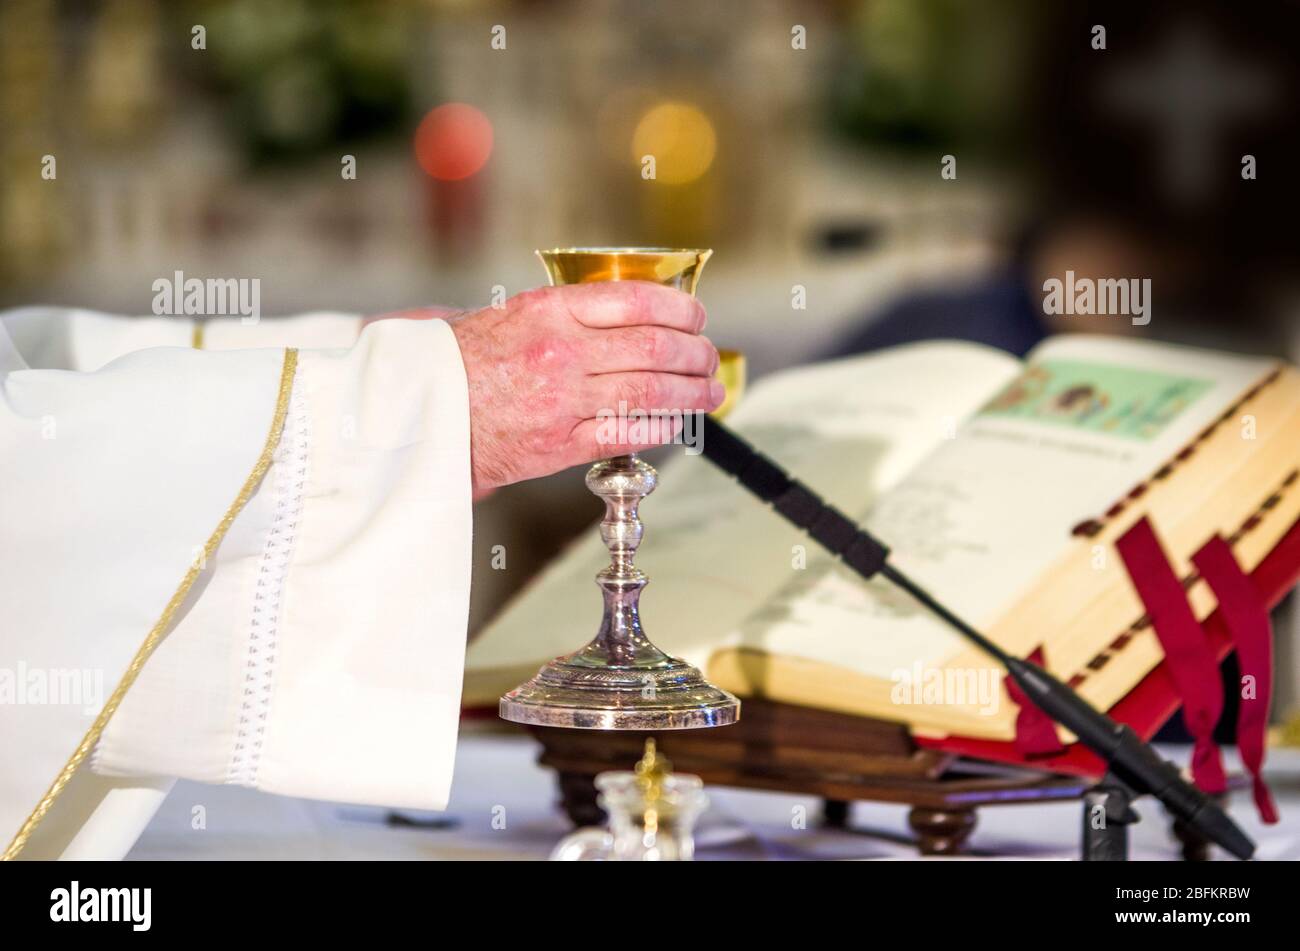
pixel 156 634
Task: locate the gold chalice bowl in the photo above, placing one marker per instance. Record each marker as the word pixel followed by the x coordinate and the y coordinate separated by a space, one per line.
pixel 621 681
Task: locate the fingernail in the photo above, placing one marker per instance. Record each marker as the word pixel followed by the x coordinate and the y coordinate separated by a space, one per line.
pixel 717 392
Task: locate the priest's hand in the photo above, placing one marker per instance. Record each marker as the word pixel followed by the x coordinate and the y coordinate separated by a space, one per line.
pixel 548 368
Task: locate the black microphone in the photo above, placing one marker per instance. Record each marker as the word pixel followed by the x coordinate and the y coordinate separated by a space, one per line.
pixel 1128 756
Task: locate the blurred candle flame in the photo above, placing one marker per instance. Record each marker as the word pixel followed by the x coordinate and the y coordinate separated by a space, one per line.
pixel 681 139
pixel 453 141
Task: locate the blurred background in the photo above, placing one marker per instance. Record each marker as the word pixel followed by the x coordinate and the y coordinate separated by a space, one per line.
pixel 867 171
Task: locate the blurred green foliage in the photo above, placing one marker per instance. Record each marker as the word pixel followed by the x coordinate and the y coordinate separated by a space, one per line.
pixel 299 78
pixel 927 74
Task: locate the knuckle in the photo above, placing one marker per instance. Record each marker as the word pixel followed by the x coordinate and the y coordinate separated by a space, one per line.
pixel 544 400
pixel 646 304
pixel 543 435
pixel 642 391
pixel 530 299
pixel 539 304
pixel 693 395
pixel 547 352
pixel 653 345
pixel 708 354
pixel 637 303
pixel 703 388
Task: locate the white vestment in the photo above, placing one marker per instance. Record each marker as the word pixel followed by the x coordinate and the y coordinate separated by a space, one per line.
pixel 319 651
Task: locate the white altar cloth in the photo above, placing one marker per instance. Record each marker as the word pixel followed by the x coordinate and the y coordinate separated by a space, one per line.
pixel 497 778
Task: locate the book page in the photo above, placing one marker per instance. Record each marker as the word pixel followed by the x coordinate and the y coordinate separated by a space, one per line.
pixel 713 553
pixel 978 520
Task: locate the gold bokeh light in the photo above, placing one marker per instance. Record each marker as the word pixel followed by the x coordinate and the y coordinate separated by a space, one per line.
pixel 681 139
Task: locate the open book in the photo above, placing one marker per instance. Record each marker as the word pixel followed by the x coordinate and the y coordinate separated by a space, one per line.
pixel 1001 487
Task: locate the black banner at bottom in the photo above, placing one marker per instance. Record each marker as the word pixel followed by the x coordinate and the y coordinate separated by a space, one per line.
pixel 497 899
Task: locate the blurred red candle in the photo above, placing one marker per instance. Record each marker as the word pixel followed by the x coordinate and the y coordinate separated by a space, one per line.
pixel 453 141
pixel 452 144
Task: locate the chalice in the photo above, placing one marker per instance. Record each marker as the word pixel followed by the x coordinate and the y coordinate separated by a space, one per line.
pixel 621 680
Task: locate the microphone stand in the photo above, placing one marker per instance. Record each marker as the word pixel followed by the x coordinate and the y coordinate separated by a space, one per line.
pixel 1133 767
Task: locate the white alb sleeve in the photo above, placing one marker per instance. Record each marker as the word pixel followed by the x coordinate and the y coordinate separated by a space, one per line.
pixel 322 655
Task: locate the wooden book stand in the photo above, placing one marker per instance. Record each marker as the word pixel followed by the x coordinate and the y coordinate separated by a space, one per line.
pixel 791 749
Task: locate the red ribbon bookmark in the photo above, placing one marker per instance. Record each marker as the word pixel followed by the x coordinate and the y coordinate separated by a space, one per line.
pixel 1247 619
pixel 1191 662
pixel 1035 730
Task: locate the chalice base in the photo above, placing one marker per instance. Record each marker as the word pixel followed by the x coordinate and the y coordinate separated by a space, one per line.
pixel 671 695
